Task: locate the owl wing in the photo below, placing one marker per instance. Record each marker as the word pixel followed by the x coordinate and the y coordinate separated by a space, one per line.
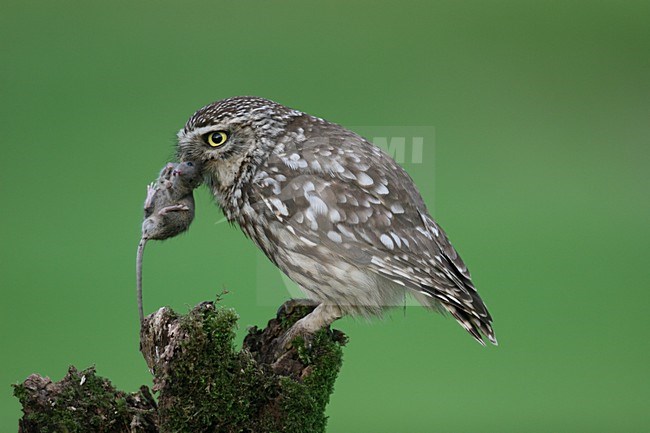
pixel 331 187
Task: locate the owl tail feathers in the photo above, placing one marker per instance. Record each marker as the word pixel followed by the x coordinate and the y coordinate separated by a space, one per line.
pixel 472 324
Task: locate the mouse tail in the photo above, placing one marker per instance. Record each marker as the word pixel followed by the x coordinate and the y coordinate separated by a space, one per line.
pixel 138 276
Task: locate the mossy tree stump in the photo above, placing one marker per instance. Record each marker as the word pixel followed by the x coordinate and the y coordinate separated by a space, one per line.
pixel 203 383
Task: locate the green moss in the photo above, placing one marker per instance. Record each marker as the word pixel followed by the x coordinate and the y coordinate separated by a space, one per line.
pixel 304 402
pixel 82 402
pixel 213 387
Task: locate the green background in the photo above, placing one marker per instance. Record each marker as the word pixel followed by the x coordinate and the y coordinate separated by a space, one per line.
pixel 541 168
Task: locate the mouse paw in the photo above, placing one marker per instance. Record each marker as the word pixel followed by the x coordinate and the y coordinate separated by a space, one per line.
pixel 151 191
pixel 174 208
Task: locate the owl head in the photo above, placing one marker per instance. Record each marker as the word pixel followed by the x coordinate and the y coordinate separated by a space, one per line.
pixel 221 136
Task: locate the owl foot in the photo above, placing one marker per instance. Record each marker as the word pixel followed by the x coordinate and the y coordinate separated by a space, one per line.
pixel 292 305
pixel 322 316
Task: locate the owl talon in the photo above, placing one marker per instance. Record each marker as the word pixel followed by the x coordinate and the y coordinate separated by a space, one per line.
pixel 290 306
pixel 321 317
pixel 286 341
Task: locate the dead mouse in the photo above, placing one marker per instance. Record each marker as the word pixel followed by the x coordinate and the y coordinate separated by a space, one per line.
pixel 168 210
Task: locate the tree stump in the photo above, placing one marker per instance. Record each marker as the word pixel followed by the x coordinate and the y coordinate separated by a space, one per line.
pixel 203 383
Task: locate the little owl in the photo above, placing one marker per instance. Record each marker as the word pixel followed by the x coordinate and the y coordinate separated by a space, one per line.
pixel 334 212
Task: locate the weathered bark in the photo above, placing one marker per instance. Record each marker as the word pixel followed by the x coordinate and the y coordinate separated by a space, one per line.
pixel 203 383
pixel 83 402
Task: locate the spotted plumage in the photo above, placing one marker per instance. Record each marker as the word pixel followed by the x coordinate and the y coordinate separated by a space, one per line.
pixel 334 212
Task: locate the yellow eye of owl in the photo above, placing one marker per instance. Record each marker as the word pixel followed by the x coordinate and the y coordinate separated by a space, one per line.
pixel 216 139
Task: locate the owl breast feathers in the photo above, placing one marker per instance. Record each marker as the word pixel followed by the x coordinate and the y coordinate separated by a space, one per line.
pixel 334 212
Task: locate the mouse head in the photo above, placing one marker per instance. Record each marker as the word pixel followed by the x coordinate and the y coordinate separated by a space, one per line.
pixel 189 173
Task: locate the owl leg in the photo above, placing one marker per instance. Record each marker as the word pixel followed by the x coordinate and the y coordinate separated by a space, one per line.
pixel 322 316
